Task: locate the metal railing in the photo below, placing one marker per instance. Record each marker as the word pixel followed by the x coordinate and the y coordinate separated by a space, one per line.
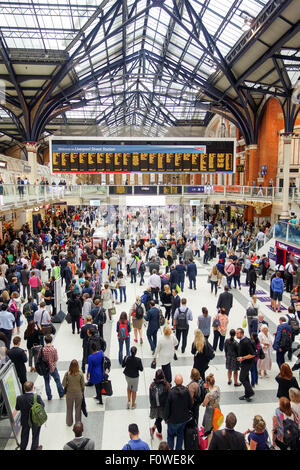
pixel 11 194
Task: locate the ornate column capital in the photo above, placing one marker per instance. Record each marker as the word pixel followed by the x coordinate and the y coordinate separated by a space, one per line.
pixel 31 146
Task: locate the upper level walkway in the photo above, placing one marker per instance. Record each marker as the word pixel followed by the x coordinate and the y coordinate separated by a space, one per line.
pixel 14 196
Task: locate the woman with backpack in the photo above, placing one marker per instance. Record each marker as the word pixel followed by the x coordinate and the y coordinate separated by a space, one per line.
pixel 158 395
pixel 220 323
pixel 164 352
pixel 282 413
pixel 123 330
pixel 197 392
pixel 137 313
pixel 231 354
pixel 132 366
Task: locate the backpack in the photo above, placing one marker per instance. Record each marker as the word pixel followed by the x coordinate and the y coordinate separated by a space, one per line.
pixel 158 395
pixel 81 447
pixel 38 413
pixel 142 267
pixel 139 312
pixel 181 322
pixel 101 316
pixel 42 366
pixel 28 311
pixel 161 319
pixel 285 340
pixel 294 324
pixel 106 365
pixel 251 312
pixel 199 398
pixel 13 308
pixel 144 299
pixel 291 434
pixel 123 331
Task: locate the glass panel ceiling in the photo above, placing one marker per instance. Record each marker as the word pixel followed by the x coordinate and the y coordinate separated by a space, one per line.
pixel 62 25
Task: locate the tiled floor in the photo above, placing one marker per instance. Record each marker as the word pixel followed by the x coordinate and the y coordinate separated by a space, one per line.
pixel 107 425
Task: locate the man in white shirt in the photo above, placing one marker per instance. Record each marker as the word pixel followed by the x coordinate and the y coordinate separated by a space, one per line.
pixel 155 283
pixel 289 271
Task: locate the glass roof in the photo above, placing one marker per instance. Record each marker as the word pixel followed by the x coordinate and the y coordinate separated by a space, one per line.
pixel 126 54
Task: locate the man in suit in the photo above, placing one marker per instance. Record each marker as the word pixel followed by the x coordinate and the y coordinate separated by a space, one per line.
pixel 225 300
pixel 18 357
pixel 192 273
pixel 152 317
pixel 24 404
pixel 228 438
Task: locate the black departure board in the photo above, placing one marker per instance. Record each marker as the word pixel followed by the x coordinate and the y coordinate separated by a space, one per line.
pixel 120 189
pixel 210 156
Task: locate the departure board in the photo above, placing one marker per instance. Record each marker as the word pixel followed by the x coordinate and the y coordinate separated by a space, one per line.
pixel 209 156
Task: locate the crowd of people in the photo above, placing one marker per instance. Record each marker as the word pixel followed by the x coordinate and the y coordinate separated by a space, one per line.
pixel 94 280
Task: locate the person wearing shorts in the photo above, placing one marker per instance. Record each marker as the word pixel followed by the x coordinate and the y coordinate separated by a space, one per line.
pixel 133 365
pixel 277 287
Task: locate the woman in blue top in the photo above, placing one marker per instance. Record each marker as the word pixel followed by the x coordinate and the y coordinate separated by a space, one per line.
pixel 95 373
pixel 259 436
pixel 123 330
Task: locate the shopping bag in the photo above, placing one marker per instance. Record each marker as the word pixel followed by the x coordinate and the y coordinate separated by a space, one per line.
pixel 244 323
pixel 81 322
pixel 106 388
pixel 178 289
pixel 218 419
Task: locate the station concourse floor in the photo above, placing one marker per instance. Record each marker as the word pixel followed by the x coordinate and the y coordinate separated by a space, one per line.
pixel 108 425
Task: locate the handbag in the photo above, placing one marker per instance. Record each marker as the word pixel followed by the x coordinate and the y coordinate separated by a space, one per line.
pixel 261 353
pixel 112 311
pixel 178 289
pixel 68 318
pixel 153 364
pixel 218 419
pixel 244 323
pixel 106 388
pixel 83 407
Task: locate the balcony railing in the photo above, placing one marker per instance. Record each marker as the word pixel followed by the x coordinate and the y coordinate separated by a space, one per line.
pixel 11 194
